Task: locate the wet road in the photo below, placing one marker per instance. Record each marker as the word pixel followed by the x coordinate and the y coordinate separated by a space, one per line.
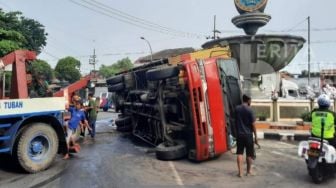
pixel 115 160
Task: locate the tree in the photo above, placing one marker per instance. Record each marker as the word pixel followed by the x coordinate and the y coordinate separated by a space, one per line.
pixel 68 69
pixel 42 67
pixel 304 74
pixel 19 32
pixel 121 65
pixel 10 41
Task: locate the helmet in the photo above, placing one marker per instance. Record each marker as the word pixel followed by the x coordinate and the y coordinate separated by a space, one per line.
pixel 323 101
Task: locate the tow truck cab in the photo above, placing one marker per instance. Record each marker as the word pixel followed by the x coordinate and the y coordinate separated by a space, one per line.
pixel 31 129
pixel 183 106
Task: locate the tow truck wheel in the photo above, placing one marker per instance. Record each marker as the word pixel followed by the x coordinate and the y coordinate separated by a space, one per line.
pixel 162 73
pixel 115 80
pixel 165 153
pixel 36 147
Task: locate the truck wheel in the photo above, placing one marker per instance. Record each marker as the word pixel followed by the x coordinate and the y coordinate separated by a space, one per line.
pixel 129 80
pixel 125 128
pixel 37 147
pixel 115 80
pixel 123 121
pixel 116 87
pixel 162 73
pixel 171 152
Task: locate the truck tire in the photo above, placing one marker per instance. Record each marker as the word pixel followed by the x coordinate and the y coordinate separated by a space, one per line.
pixel 115 80
pixel 129 80
pixel 125 128
pixel 162 73
pixel 123 121
pixel 172 152
pixel 116 87
pixel 36 147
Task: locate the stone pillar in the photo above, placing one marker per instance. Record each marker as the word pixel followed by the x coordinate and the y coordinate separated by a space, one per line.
pixel 312 100
pixel 275 109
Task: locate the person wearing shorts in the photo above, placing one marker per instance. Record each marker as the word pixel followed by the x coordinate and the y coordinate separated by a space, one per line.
pixel 77 117
pixel 245 127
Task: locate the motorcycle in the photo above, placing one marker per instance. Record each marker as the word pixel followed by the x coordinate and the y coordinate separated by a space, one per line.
pixel 320 157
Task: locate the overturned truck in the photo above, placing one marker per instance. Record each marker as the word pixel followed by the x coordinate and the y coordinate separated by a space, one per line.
pixel 182 105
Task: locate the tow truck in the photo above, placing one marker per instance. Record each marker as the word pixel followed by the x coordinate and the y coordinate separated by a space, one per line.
pixel 32 129
pixel 182 105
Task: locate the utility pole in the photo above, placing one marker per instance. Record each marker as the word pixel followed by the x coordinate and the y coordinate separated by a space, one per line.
pixel 308 50
pixel 150 47
pixel 93 61
pixel 215 31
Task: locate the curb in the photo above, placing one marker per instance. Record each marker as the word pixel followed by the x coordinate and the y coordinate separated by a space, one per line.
pixel 283 136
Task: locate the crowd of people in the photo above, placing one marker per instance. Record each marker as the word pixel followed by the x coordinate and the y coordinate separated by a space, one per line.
pixel 81 118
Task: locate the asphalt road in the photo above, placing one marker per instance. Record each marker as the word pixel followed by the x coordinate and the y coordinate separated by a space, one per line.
pixel 116 160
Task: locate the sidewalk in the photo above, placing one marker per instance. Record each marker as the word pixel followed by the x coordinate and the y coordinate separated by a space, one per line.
pixel 286 131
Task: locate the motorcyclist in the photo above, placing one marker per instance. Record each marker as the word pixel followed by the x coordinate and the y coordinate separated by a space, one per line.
pixel 323 112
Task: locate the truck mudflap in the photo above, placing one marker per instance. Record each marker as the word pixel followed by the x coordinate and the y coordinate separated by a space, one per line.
pixel 201 150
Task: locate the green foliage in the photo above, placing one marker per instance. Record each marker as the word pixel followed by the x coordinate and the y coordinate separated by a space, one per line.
pixel 119 66
pixel 261 115
pixel 8 79
pixel 68 69
pixel 42 67
pixel 18 32
pixel 305 73
pixel 306 116
pixel 10 41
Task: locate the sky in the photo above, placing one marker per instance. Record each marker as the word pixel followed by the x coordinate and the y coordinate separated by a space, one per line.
pixel 76 27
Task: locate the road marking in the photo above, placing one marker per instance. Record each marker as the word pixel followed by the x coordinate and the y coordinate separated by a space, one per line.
pixel 176 175
pixel 285 155
pixel 287 144
pixel 277 174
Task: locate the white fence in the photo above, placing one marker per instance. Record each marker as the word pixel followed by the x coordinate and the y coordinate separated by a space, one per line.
pixel 284 110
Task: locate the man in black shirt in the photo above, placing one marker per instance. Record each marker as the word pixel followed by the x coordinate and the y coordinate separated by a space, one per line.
pixel 245 127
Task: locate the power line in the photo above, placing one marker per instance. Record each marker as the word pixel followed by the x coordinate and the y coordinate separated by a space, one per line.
pixel 324 42
pixel 296 25
pixel 283 31
pixel 141 20
pixel 51 55
pixel 127 19
pixel 111 16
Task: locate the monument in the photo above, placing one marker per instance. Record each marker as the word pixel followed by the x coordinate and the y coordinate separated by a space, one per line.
pixel 257 54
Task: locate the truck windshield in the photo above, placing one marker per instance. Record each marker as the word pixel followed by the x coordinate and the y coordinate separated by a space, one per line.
pixel 231 88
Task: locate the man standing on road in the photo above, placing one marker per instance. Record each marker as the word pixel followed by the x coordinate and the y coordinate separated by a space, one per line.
pixel 245 127
pixel 92 111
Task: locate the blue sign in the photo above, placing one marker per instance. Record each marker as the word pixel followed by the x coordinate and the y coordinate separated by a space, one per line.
pixel 250 5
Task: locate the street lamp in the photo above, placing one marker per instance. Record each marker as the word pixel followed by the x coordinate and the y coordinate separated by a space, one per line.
pixel 150 47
